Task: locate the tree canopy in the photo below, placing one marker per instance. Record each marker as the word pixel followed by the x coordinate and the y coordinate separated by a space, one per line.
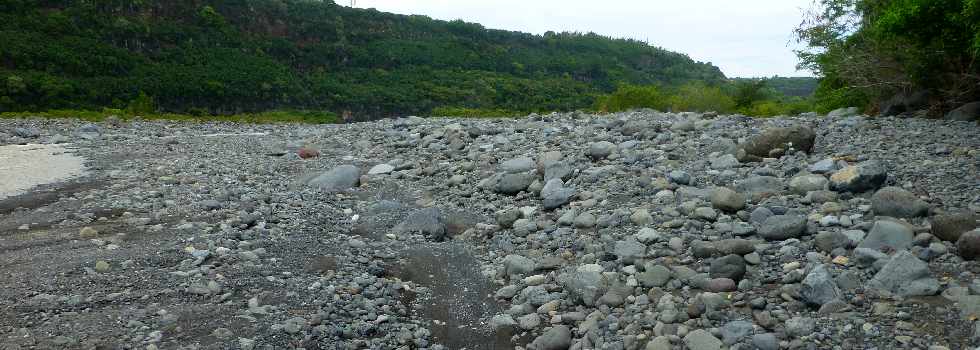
pixel 235 56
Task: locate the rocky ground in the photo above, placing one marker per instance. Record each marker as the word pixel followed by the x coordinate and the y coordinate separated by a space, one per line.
pixel 639 230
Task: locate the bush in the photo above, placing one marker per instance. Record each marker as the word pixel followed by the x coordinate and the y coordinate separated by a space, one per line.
pixel 699 97
pixel 475 112
pixel 628 97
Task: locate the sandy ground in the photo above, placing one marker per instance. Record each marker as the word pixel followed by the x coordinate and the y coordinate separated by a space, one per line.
pixel 23 167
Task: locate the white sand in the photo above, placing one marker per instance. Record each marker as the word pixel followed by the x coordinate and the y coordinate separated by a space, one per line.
pixel 23 167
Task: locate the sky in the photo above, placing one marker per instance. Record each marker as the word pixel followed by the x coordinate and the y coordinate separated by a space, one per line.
pixel 745 38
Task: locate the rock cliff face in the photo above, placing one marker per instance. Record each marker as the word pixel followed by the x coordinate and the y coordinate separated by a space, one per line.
pixel 638 230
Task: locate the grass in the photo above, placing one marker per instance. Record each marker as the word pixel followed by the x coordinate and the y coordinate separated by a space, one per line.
pixel 269 117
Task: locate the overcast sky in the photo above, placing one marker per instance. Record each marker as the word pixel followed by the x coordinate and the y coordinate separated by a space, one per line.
pixel 745 38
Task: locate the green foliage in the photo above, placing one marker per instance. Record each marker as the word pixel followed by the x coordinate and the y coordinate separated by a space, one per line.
pixel 142 104
pixel 867 50
pixel 243 56
pixel 700 97
pixel 628 97
pixel 759 100
pixel 460 112
pixel 267 117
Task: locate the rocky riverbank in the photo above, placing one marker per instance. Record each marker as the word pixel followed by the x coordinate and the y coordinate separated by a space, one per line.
pixel 639 230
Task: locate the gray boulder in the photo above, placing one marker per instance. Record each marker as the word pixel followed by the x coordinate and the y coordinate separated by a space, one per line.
pixel 819 287
pixel 758 187
pixel 824 166
pixel 512 184
pixel 700 339
pixel 518 265
pixel 968 246
pixel 584 286
pixel 905 275
pixel 781 227
pixel 629 251
pixel 427 221
pixel 726 199
pixel 859 178
pixel 950 226
pixel 27 133
pixel 798 137
pixel 557 338
pixel 517 165
pixel 888 235
pixel 806 183
pixel 555 194
pixel 730 266
pixel 601 150
pixel 843 112
pixel 654 276
pixel 337 179
pixel 899 203
pixel 968 112
pixel 734 331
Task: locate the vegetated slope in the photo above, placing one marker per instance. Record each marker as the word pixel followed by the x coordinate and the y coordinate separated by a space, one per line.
pixel 230 56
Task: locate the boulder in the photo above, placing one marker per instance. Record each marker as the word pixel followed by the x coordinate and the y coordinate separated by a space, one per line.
pixel 969 112
pixel 950 226
pixel 730 266
pixel 517 165
pixel 905 102
pixel 557 338
pixel 807 183
pixel 427 221
pixel 584 286
pixel 726 199
pixel 819 287
pixel 843 112
pixel 968 245
pixel 899 203
pixel 865 176
pixel 904 275
pixel 700 339
pixel 601 150
pixel 781 227
pixel 888 235
pixel 337 179
pixel 512 184
pixel 797 137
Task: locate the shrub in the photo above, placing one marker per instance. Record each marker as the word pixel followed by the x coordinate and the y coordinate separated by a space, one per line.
pixel 628 97
pixel 699 97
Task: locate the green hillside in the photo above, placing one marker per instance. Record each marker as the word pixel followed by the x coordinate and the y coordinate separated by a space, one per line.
pixel 239 56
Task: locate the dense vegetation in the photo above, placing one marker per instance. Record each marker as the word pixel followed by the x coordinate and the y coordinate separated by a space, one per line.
pixel 756 97
pixel 870 50
pixel 238 56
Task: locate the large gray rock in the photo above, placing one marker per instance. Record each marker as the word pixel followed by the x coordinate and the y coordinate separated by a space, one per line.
pixel 601 150
pixel 734 331
pixel 27 133
pixel 905 102
pixel 758 187
pixel 555 194
pixel 781 227
pixel 629 251
pixel 899 203
pixel 337 179
pixel 968 246
pixel 517 165
pixel 904 275
pixel 730 266
pixel 806 183
pixel 843 112
pixel 950 226
pixel 968 112
pixel 700 339
pixel 726 199
pixel 865 176
pixel 557 338
pixel 819 287
pixel 511 184
pixel 888 235
pixel 798 137
pixel 654 276
pixel 518 265
pixel 584 286
pixel 428 221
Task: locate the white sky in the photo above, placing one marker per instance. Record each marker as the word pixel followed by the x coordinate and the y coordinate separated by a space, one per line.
pixel 745 38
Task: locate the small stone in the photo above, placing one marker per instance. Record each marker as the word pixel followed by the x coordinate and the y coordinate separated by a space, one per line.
pixel 88 232
pixel 781 227
pixel 101 266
